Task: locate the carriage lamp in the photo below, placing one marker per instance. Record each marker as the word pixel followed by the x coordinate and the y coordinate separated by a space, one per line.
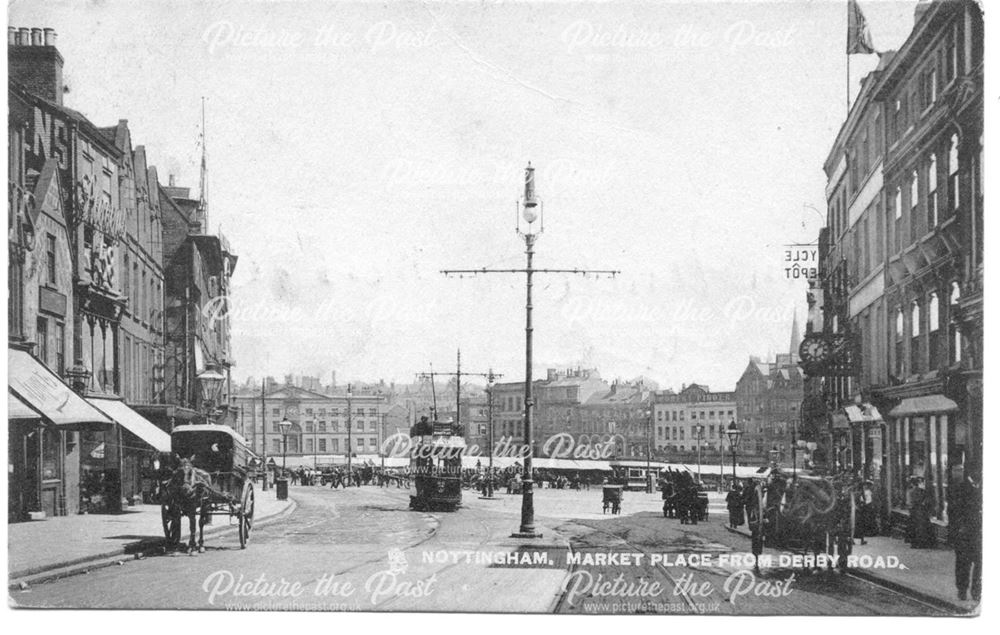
pixel 734 434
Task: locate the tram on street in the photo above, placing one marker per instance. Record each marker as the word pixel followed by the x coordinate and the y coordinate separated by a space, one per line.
pixel 436 466
pixel 635 474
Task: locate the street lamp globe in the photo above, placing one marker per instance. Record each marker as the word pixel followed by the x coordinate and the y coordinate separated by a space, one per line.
pixel 530 212
pixel 285 425
pixel 734 434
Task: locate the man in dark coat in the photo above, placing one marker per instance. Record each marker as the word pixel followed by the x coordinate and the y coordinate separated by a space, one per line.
pixel 734 503
pixel 921 508
pixel 965 526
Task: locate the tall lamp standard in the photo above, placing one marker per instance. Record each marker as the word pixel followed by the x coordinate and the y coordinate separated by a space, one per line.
pixel 734 434
pixel 530 209
pixel 649 448
pixel 285 424
pixel 700 430
pixel 315 446
pixel 350 424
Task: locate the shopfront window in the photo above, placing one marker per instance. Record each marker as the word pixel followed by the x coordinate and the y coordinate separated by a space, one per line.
pixel 50 455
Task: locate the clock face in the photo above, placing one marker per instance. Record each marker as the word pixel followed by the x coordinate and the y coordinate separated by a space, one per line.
pixel 814 349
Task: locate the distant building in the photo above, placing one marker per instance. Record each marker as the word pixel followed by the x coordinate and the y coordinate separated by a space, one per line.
pixel 319 422
pixel 678 418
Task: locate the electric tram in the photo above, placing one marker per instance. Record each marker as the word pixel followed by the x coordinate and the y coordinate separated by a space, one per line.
pixel 436 466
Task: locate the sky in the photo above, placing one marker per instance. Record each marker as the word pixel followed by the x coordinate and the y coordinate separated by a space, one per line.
pixel 355 150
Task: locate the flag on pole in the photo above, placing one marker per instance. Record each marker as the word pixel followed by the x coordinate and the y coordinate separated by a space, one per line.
pixel 859 38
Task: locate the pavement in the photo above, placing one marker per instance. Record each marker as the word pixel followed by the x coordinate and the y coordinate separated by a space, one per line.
pixel 927 574
pixel 65 545
pixel 363 539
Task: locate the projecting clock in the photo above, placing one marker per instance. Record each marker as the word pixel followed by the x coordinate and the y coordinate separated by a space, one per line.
pixel 814 350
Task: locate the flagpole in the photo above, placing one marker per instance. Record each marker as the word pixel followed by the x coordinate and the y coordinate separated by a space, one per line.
pixel 847 48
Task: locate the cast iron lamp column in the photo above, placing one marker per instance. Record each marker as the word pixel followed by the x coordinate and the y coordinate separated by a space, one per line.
pixel 734 435
pixel 284 425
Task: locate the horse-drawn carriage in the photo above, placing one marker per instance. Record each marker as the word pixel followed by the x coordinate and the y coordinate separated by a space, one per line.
pixel 213 478
pixel 612 498
pixel 808 515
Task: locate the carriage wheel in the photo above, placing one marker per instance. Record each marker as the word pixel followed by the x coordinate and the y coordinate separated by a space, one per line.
pixel 171 524
pixel 245 515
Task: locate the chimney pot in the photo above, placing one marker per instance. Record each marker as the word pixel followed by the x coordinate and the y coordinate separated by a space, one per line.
pixel 25 37
pixel 11 36
pixel 170 180
pixel 50 37
pixel 36 37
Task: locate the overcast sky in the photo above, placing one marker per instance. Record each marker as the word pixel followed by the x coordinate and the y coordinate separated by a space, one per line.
pixel 357 149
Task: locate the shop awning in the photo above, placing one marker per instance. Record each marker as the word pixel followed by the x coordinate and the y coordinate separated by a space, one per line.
pixel 865 413
pixel 18 410
pixel 134 422
pixel 44 392
pixel 926 404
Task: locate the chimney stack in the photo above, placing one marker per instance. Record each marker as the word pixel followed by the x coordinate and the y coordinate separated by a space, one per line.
pixel 34 61
pixel 170 181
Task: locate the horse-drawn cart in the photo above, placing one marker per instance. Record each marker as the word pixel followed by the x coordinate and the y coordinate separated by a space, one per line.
pixel 808 515
pixel 213 478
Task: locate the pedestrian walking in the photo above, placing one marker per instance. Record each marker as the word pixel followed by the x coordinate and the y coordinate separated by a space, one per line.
pixel 965 527
pixel 867 521
pixel 734 503
pixel 921 507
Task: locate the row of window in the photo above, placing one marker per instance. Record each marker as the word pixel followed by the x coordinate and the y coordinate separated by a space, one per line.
pixel 919 338
pixel 327 445
pixel 333 412
pixel 678 432
pixel 928 172
pixel 334 426
pixel 914 99
pixel 678 415
pixel 144 294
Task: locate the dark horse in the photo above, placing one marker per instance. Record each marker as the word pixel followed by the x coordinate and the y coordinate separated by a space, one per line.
pixel 188 491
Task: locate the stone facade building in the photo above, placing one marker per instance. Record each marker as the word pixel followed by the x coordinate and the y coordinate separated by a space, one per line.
pixel 678 419
pixel 894 356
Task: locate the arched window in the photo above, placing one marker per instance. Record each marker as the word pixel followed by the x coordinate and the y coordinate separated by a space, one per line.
pixel 916 362
pixel 899 342
pixel 914 319
pixel 933 331
pixel 953 172
pixel 914 190
pixel 932 198
pixel 897 228
pixel 956 335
